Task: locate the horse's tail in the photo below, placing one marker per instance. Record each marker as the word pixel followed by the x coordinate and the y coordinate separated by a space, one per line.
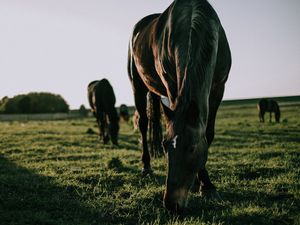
pixel 155 130
pixel 196 59
pixel 150 114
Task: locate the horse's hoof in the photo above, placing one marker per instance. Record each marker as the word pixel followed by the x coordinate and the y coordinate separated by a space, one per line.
pixel 147 171
pixel 211 194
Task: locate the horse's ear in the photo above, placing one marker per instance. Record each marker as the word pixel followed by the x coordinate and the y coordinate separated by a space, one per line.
pixel 192 115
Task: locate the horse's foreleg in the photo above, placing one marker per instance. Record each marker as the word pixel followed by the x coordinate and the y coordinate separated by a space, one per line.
pixel 202 181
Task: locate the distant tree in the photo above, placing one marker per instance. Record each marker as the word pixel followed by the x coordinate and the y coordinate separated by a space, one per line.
pixel 34 103
pixel 24 104
pixel 83 111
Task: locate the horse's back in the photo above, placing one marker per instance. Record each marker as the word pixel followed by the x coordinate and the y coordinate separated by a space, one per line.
pixel 263 103
pixel 268 105
pixel 144 22
pixel 141 55
pixel 101 95
pixel 184 31
pixel 274 107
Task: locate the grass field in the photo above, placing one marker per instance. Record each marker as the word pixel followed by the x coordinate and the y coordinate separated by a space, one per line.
pixel 53 172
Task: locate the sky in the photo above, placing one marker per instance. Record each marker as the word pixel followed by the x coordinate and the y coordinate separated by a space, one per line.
pixel 59 46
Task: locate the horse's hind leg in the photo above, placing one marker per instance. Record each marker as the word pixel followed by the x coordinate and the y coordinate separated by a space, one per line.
pixel 140 98
pixel 141 106
pixel 104 127
pixel 99 118
pixel 260 116
pixel 113 125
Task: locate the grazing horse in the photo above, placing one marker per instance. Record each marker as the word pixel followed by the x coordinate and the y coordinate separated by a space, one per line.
pixel 268 105
pixel 183 58
pixel 102 101
pixel 124 114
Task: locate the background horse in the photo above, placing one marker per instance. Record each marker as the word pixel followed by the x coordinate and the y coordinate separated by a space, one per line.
pixel 102 101
pixel 268 105
pixel 124 114
pixel 183 58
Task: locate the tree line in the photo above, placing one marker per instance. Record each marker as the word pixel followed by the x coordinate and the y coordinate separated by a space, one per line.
pixel 33 102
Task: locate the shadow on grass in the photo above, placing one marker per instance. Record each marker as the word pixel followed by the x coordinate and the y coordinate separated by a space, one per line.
pixel 249 173
pixel 28 198
pixel 130 142
pixel 117 165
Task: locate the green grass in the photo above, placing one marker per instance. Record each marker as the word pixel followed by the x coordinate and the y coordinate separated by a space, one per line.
pixel 53 172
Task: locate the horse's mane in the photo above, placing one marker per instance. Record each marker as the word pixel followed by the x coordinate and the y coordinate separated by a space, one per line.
pixel 195 53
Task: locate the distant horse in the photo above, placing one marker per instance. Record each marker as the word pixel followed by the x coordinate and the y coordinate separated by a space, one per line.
pixel 124 114
pixel 102 101
pixel 268 105
pixel 183 58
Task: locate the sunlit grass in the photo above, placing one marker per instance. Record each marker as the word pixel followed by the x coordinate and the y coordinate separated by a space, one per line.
pixel 54 172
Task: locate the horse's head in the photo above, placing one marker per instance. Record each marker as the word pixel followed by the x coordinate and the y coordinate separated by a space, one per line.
pixel 276 110
pixel 186 151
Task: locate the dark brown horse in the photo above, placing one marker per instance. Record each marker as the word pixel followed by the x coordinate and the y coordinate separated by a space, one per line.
pixel 268 105
pixel 124 114
pixel 102 101
pixel 183 58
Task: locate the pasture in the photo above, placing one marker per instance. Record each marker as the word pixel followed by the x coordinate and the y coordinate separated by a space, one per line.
pixel 53 172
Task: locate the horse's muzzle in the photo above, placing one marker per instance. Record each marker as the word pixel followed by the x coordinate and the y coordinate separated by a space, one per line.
pixel 176 201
